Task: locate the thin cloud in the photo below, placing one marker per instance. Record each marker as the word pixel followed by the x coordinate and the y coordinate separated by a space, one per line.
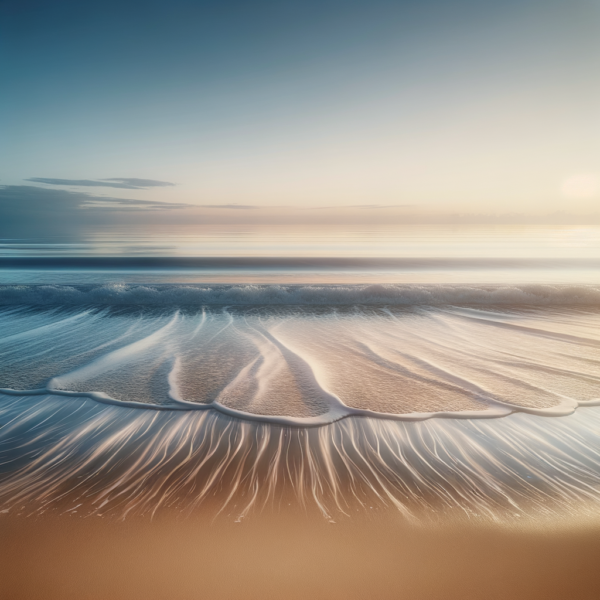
pixel 100 202
pixel 230 206
pixel 140 183
pixel 33 211
pixel 44 211
pixel 375 206
pixel 125 183
pixel 363 206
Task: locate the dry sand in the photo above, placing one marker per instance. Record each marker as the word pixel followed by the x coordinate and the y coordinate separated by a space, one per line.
pixel 294 556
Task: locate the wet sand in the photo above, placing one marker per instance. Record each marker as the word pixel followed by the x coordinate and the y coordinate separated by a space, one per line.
pixel 292 555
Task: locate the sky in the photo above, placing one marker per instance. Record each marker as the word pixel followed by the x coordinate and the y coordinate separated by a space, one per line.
pixel 260 111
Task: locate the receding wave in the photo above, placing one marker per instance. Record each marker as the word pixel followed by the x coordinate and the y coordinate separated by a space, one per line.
pixel 294 295
pixel 74 455
pixel 309 365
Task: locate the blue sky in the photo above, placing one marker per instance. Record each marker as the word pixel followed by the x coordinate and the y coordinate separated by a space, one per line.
pixel 481 107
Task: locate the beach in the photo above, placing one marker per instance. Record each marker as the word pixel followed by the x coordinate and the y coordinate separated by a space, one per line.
pixel 268 441
pixel 295 555
pixel 299 300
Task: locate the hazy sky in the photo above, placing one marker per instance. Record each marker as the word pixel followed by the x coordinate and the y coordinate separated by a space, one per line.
pixel 436 106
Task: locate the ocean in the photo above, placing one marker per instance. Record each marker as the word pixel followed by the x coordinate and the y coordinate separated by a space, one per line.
pixel 425 384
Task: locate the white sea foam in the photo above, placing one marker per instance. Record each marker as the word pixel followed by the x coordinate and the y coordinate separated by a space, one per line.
pixel 309 367
pixel 324 295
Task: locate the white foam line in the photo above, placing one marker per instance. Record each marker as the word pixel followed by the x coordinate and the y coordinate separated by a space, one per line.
pixel 97 396
pixel 334 414
pixel 172 379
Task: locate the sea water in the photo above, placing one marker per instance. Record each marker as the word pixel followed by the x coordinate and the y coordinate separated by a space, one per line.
pixel 138 383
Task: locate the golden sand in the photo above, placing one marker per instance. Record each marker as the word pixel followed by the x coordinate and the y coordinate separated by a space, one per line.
pixel 292 555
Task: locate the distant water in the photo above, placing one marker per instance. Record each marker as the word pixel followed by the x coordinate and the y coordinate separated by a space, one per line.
pixel 319 241
pixel 181 367
pixel 304 255
pixel 292 271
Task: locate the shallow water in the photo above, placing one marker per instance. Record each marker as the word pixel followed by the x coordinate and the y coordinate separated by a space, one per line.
pixel 76 455
pixel 309 355
pixel 123 398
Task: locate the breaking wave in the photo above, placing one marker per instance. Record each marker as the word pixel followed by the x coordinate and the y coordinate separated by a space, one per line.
pixel 274 295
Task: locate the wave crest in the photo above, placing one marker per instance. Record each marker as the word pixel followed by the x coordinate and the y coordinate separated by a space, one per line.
pixel 248 295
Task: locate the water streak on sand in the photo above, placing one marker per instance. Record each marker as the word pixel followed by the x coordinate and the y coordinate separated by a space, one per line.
pixel 75 454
